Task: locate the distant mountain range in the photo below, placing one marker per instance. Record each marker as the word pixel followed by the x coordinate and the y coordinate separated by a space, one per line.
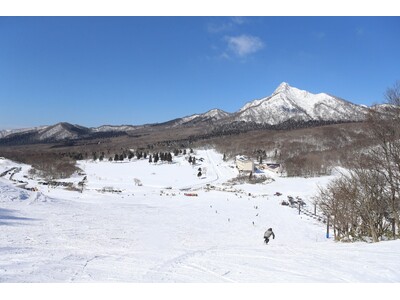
pixel 286 104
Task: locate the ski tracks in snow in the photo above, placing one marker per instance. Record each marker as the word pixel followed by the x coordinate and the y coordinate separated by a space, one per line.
pixel 181 267
pixel 205 270
pixel 81 271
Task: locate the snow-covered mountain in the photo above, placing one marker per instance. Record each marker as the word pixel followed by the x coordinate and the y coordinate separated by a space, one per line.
pixel 113 128
pixel 58 132
pixel 285 104
pixel 289 103
pixel 210 116
pixel 4 133
pixel 385 108
pixel 62 131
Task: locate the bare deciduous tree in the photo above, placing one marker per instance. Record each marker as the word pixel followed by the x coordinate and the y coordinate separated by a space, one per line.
pixel 366 201
pixel 384 127
pixel 357 202
pixel 392 94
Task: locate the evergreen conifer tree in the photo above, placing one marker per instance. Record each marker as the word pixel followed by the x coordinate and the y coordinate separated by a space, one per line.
pixel 130 156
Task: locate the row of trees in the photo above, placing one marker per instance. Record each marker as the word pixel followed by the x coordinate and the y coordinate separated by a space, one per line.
pixel 167 156
pixel 125 154
pixel 365 202
pixel 183 152
pixel 129 154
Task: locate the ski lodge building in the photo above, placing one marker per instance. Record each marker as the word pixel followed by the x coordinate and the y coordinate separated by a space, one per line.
pixel 244 164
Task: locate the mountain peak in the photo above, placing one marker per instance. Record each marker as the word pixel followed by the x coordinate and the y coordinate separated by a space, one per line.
pixel 211 115
pixel 216 113
pixel 284 86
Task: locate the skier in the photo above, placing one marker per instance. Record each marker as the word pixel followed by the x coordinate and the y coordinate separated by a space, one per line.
pixel 268 234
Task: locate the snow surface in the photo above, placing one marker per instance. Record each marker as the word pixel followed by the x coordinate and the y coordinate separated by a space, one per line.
pixel 154 233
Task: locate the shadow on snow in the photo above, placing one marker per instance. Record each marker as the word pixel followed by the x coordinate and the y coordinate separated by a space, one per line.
pixel 10 217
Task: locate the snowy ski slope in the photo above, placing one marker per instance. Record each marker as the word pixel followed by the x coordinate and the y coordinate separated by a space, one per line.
pixel 154 233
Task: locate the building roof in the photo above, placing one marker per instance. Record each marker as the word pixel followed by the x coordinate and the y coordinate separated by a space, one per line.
pixel 242 158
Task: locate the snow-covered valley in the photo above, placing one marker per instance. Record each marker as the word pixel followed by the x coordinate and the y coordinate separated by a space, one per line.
pixel 147 230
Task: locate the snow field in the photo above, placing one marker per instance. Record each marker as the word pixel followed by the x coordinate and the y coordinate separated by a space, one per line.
pixel 152 234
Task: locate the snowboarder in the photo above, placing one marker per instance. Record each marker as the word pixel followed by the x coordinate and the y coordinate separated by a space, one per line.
pixel 268 234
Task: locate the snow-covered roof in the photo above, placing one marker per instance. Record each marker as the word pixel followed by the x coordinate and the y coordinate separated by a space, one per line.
pixel 242 158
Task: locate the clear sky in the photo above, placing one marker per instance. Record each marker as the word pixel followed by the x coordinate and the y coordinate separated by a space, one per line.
pixel 135 70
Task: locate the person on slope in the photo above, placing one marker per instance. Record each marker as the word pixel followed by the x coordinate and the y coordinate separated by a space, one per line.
pixel 268 234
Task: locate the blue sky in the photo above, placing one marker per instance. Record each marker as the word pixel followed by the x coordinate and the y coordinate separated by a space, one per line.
pixel 135 70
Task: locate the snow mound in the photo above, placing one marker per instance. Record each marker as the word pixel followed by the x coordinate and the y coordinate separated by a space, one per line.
pixel 11 193
pixel 39 197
